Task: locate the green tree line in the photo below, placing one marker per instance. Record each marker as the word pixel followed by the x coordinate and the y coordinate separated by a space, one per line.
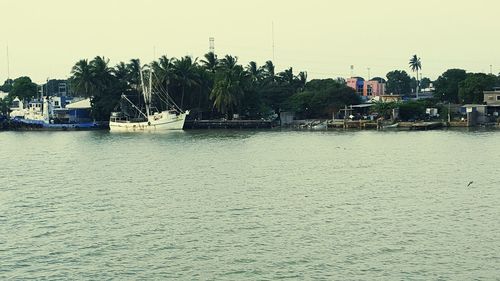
pixel 211 87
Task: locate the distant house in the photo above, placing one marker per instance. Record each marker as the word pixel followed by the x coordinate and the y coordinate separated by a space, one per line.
pixel 492 97
pixel 371 88
pixel 57 88
pixel 480 114
pixel 374 87
pixel 357 83
pixel 387 98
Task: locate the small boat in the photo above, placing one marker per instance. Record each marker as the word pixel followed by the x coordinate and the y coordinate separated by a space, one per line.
pixel 148 118
pixel 392 126
pixel 320 126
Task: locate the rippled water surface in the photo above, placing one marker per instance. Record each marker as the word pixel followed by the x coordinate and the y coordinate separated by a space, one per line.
pixel 241 205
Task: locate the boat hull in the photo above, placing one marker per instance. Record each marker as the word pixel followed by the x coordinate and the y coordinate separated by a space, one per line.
pixel 153 125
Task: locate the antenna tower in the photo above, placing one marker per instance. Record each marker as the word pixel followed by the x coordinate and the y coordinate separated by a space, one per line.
pixel 212 45
pixel 272 31
pixel 8 63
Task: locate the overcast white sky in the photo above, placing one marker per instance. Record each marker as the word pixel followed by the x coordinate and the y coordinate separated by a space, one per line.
pixel 323 37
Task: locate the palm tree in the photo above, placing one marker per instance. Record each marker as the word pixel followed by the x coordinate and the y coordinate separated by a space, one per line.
pixel 287 76
pixel 90 79
pixel 81 78
pixel 415 66
pixel 301 80
pixel 229 62
pixel 120 71
pixel 164 70
pixel 185 71
pixel 269 70
pixel 227 91
pixel 101 70
pixel 134 73
pixel 210 62
pixel 254 72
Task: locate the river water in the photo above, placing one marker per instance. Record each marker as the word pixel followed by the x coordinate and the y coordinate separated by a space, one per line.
pixel 250 205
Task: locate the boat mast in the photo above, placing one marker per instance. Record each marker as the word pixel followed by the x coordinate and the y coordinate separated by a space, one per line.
pixel 150 84
pixel 146 94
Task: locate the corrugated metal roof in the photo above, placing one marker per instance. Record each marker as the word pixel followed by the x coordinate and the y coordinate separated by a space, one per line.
pixel 79 104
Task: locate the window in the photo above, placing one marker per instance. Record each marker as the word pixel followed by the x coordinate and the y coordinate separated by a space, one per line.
pixel 498 97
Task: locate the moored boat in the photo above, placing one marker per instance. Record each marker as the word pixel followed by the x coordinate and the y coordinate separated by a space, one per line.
pixel 50 113
pixel 148 118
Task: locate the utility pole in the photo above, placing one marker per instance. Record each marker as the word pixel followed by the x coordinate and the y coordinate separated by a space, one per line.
pixel 8 62
pixel 272 35
pixel 368 73
pixel 449 114
pixel 491 69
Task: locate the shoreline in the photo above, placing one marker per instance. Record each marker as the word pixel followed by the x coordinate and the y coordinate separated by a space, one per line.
pixel 298 125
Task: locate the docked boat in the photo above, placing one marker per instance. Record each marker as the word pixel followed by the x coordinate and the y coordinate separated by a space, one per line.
pixel 392 126
pixel 146 118
pixel 320 126
pixel 52 113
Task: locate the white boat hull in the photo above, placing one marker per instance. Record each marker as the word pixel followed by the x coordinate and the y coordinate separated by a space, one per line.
pixel 166 123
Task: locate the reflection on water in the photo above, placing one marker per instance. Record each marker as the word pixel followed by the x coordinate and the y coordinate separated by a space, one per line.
pixel 258 205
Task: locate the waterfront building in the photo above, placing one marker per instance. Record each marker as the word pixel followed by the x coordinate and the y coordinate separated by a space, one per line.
pixel 371 88
pixel 387 98
pixel 57 88
pixel 357 83
pixel 492 97
pixel 374 87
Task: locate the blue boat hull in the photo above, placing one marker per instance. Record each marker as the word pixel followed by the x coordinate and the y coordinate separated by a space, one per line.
pixel 38 124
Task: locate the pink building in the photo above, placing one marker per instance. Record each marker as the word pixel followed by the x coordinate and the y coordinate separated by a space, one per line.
pixel 374 87
pixel 357 83
pixel 371 88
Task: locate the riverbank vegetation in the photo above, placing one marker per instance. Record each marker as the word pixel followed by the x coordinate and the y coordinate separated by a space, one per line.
pixel 213 87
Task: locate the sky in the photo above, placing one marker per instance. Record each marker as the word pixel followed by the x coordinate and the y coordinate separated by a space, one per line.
pixel 323 37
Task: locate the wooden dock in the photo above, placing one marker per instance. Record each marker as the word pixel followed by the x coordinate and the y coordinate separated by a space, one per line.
pixel 357 124
pixel 227 124
pixel 424 126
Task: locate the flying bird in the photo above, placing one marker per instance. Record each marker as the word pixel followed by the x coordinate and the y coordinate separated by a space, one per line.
pixel 470 183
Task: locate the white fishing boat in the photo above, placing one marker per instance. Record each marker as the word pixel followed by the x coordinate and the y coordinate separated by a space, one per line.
pixel 148 118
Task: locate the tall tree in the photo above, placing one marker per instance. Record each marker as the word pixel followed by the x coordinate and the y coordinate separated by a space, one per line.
pixel 415 66
pixel 287 76
pixel 187 76
pixel 229 62
pixel 269 71
pixel 471 89
pixel 425 83
pixel 81 79
pixel 254 71
pixel 227 91
pixel 164 71
pixel 7 85
pixel 447 85
pixel 95 79
pixel 134 74
pixel 120 71
pixel 210 63
pixel 301 80
pixel 23 88
pixel 398 82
